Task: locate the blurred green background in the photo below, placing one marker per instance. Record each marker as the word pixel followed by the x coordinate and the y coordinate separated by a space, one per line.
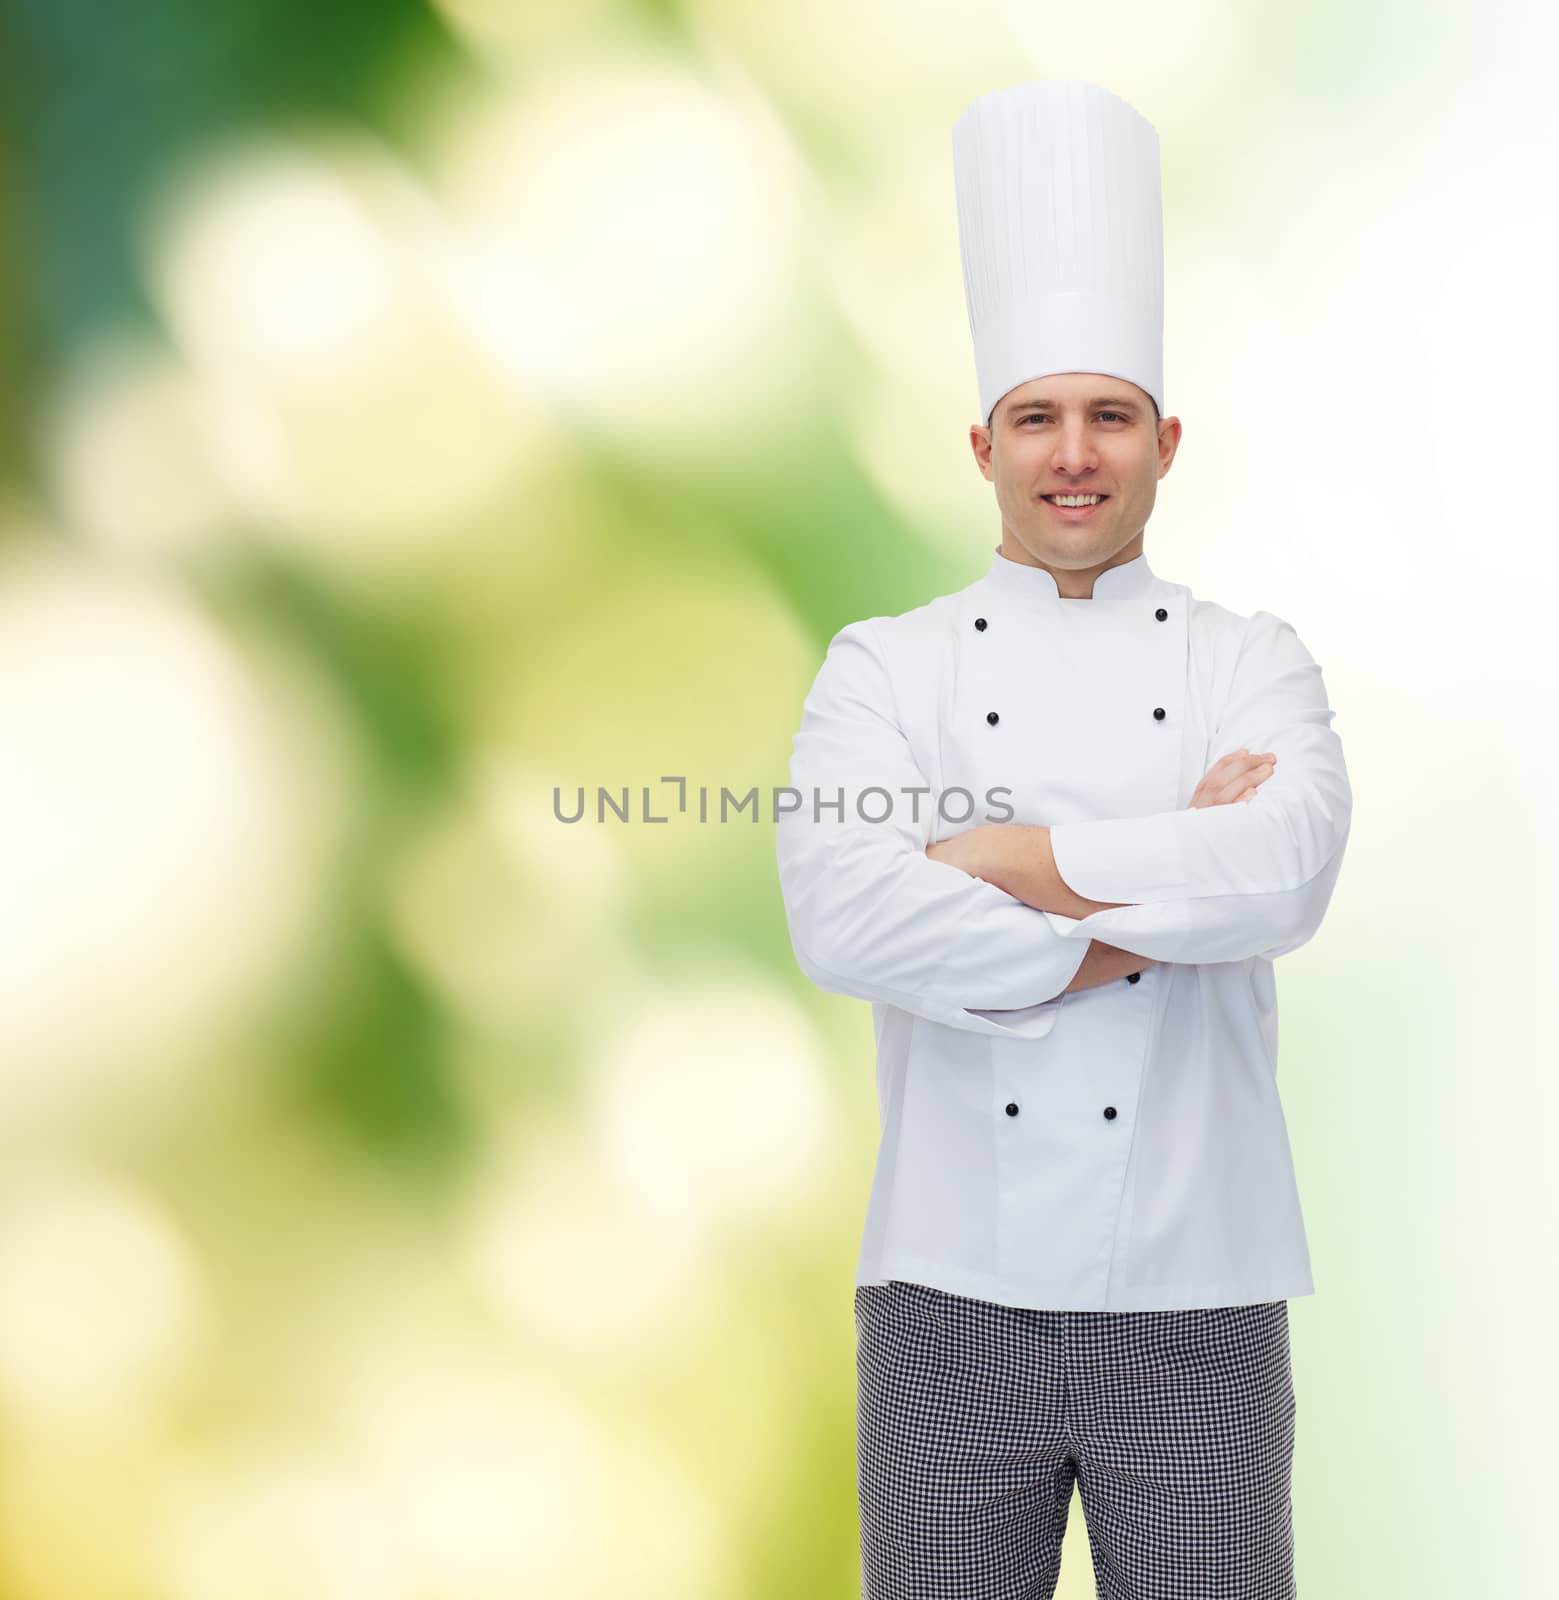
pixel 407 409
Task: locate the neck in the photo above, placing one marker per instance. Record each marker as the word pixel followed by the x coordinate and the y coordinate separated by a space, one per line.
pixel 1072 583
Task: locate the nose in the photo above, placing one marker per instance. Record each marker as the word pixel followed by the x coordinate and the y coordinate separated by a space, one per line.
pixel 1073 452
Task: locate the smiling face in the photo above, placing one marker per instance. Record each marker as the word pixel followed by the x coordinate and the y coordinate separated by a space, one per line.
pixel 1075 434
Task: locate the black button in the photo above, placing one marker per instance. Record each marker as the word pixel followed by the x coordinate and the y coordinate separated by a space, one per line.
pixel 1133 977
pixel 979 623
pixel 992 718
pixel 1158 713
pixel 1012 1108
pixel 1161 614
pixel 1109 1111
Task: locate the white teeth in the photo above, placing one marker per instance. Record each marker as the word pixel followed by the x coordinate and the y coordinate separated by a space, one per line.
pixel 1074 499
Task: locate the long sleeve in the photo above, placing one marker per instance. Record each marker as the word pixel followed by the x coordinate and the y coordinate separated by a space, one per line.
pixel 1224 883
pixel 869 913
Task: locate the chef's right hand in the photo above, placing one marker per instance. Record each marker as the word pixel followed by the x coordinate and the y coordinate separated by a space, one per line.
pixel 1233 777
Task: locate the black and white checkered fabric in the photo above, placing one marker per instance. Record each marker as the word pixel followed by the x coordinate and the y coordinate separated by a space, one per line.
pixel 975 1420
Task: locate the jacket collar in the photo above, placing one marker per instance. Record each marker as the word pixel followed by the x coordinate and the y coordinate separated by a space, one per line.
pixel 1126 581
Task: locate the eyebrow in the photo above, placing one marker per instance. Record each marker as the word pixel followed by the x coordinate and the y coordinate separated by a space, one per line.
pixel 1116 402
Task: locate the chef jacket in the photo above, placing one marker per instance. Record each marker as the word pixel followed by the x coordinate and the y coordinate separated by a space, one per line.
pixel 1122 1147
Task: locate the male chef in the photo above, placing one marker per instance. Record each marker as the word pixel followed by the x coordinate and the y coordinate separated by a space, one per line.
pixel 1057 827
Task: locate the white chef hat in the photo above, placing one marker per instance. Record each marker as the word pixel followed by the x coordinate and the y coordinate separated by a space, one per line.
pixel 1061 225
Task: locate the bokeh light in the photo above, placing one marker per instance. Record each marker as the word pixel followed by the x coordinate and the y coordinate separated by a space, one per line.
pixel 160 830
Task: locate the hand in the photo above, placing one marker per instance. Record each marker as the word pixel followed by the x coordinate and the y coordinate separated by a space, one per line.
pixel 1233 777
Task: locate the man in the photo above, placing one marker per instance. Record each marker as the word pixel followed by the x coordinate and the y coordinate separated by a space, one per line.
pixel 1056 827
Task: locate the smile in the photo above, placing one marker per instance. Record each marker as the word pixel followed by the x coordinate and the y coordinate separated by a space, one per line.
pixel 1075 507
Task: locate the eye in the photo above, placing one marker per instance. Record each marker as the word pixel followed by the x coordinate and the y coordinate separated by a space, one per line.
pixel 1042 416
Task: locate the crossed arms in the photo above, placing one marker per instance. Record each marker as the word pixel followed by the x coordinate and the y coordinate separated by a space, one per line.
pixel 1021 860
pixel 986 930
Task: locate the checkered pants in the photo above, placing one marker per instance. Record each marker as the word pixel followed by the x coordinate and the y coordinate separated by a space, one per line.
pixel 975 1419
